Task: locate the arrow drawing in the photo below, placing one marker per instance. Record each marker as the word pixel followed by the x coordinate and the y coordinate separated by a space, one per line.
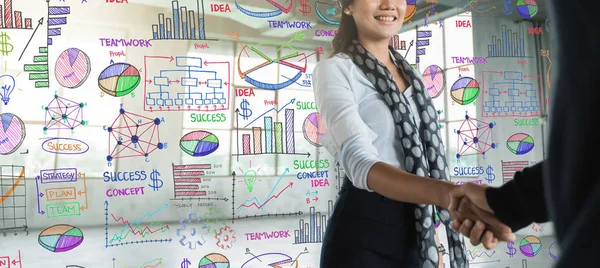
pixel 39 195
pixel 36 27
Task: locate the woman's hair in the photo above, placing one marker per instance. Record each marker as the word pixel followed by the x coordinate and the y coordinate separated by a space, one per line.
pixel 347 31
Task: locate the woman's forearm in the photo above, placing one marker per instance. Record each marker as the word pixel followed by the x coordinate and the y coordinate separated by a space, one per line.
pixel 400 185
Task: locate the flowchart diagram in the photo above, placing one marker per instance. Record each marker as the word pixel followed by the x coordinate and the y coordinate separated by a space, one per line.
pixel 61 192
pixel 191 84
pixel 511 94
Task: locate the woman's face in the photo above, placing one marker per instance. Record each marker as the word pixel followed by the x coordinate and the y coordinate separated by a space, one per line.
pixel 378 19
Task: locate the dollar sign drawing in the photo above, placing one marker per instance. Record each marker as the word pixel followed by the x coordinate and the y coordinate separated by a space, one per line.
pixel 511 249
pixel 5 47
pixel 154 176
pixel 305 8
pixel 246 112
pixel 185 263
pixel 507 7
pixel 490 176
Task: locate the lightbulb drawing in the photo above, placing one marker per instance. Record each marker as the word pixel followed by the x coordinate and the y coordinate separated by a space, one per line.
pixel 250 179
pixel 7 82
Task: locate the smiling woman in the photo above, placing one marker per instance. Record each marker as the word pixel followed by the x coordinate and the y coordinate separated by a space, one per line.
pixel 380 122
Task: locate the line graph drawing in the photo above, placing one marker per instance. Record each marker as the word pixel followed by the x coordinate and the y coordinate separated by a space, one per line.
pixel 471 6
pixel 290 64
pixel 271 110
pixel 13 192
pixel 510 94
pixel 62 113
pixel 474 137
pixel 268 5
pixel 254 202
pixel 478 252
pixel 132 233
pixel 193 84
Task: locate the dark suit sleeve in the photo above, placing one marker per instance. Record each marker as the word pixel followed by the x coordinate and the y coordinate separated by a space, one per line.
pixel 519 202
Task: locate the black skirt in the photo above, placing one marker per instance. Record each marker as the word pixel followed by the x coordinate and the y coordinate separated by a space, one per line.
pixel 367 230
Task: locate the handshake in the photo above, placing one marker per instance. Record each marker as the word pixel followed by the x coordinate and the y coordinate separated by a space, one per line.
pixel 474 218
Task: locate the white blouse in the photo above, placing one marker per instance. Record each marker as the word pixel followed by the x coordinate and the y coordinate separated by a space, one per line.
pixel 361 129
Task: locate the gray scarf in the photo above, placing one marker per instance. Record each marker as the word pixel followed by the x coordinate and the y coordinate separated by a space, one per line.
pixel 426 159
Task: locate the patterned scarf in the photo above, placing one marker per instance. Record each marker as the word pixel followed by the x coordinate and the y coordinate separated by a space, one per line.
pixel 420 159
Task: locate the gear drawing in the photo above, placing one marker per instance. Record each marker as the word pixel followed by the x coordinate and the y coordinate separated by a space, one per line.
pixel 192 237
pixel 213 219
pixel 225 237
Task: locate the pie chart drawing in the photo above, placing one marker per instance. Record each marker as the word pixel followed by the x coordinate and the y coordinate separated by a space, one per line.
pixel 434 80
pixel 256 64
pixel 199 143
pixel 465 90
pixel 530 246
pixel 60 238
pixel 214 260
pixel 314 128
pixel 12 133
pixel 527 8
pixel 119 79
pixel 520 143
pixel 411 9
pixel 72 68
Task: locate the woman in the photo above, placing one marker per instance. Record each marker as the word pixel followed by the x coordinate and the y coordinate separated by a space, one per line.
pixel 383 130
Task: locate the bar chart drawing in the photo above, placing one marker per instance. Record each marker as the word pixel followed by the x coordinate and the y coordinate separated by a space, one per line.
pixel 313 231
pixel 185 24
pixel 13 19
pixel 272 138
pixel 190 182
pixel 191 84
pixel 509 168
pixel 187 180
pixel 12 197
pixel 38 70
pixel 422 42
pixel 510 44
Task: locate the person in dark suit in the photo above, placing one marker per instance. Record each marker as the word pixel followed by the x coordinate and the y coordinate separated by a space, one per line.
pixel 566 186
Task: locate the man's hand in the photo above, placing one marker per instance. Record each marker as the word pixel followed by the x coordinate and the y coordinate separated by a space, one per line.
pixel 469 202
pixel 476 233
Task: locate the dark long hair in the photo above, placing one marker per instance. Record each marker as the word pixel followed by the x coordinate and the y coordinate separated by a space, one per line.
pixel 347 32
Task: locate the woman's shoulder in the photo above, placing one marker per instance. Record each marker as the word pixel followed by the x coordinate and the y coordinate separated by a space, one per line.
pixel 339 61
